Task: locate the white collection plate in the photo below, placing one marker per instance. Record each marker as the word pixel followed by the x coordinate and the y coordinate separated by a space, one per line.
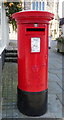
pixel 35 44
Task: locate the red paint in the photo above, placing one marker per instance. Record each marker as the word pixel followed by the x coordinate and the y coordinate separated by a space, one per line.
pixel 32 67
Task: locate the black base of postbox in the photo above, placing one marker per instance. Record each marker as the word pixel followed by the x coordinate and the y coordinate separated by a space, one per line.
pixel 32 103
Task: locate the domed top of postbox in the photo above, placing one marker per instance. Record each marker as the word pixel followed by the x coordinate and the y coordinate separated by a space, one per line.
pixel 33 17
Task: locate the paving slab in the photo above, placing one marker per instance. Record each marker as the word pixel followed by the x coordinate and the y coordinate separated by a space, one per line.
pixel 55 106
pixel 60 84
pixel 55 70
pixel 59 96
pixel 56 65
pixel 0 87
pixel 63 111
pixel 53 77
pixel 54 88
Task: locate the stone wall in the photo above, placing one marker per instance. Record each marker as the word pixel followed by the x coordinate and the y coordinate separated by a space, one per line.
pixel 27 5
pixel 63 9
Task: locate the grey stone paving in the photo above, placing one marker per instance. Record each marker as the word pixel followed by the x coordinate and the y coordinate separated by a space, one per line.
pixel 55 101
pixel 0 87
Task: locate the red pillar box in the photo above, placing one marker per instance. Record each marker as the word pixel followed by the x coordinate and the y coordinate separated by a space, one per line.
pixel 32 61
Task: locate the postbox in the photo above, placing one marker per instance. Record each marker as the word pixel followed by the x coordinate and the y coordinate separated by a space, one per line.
pixel 32 92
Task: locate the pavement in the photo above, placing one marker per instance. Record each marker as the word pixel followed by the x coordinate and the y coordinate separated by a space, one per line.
pixel 55 94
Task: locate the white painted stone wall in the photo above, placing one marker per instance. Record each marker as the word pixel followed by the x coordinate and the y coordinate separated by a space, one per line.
pixel 5 28
pixel 4 31
pixel 0 25
pixel 63 9
pixel 63 29
pixel 63 16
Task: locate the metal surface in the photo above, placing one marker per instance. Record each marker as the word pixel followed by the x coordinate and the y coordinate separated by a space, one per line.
pixel 32 66
pixel 33 103
pixel 32 58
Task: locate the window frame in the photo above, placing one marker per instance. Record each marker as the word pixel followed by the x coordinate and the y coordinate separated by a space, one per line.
pixel 39 9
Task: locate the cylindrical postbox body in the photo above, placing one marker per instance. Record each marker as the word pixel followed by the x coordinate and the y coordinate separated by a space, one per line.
pixel 32 61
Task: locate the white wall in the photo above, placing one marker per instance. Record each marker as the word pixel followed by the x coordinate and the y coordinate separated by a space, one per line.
pixel 60 8
pixel 63 29
pixel 0 25
pixel 5 28
pixel 63 9
pixel 4 40
pixel 63 16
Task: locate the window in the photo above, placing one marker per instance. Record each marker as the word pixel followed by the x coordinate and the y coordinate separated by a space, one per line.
pixel 42 5
pixel 37 5
pixel 33 5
